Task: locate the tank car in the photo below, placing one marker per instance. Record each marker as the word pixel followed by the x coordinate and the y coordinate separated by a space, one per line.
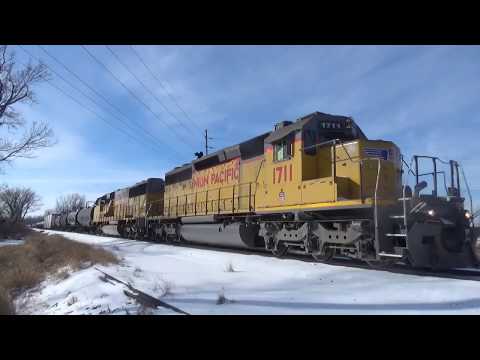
pixel 85 218
pixel 72 219
pixel 49 221
pixel 63 221
pixel 57 221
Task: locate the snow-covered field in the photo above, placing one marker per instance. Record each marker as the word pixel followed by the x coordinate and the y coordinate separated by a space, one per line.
pixel 193 279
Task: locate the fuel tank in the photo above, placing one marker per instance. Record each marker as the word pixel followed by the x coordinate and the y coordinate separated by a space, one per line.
pixel 237 235
pixel 85 216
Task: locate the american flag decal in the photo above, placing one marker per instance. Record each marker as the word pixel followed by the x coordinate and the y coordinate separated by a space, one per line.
pixel 377 153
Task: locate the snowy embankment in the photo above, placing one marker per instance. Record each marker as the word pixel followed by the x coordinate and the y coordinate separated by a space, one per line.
pixel 194 279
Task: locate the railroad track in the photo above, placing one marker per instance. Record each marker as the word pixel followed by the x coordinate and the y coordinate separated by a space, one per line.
pixel 140 296
pixel 459 274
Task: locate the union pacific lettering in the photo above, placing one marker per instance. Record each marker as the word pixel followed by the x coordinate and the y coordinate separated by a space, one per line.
pixel 225 174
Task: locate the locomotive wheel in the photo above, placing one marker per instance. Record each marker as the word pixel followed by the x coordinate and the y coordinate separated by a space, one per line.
pixel 280 250
pixel 162 237
pixel 324 256
pixel 159 238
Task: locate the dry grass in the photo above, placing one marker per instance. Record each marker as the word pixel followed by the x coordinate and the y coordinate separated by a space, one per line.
pixel 13 231
pixel 229 267
pixel 137 272
pixel 25 266
pixel 144 310
pixel 72 300
pixel 6 304
pixel 163 287
pixel 222 299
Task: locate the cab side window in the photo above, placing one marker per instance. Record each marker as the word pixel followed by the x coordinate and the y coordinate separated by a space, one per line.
pixel 309 142
pixel 283 150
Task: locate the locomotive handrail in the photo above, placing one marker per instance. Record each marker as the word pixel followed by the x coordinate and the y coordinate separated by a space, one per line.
pixel 468 188
pixel 320 144
pixel 210 203
pixel 375 215
pixel 409 167
pixel 183 208
pixel 360 160
pixel 438 172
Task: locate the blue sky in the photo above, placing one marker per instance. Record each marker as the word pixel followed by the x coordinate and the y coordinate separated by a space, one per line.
pixel 424 98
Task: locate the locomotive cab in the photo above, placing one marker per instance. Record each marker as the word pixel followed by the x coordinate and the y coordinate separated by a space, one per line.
pixel 325 161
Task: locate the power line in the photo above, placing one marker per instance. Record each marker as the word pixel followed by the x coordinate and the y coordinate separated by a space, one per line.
pixel 130 91
pixel 92 111
pixel 87 96
pixel 78 90
pixel 146 88
pixel 95 113
pixel 99 95
pixel 163 87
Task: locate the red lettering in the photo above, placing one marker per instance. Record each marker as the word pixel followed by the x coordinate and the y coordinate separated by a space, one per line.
pixel 279 172
pixel 224 174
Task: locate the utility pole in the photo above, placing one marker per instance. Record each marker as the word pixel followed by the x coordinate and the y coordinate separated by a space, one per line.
pixel 206 142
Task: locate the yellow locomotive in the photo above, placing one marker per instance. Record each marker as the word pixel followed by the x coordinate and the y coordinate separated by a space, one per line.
pixel 316 186
pixel 124 212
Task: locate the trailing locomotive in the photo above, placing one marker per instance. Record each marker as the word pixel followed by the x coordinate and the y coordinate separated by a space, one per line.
pixel 316 186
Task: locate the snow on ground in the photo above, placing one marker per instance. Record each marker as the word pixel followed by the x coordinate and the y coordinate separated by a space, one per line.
pixel 193 279
pixel 8 242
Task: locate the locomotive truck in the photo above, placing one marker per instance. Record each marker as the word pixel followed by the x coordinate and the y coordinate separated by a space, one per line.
pixel 316 186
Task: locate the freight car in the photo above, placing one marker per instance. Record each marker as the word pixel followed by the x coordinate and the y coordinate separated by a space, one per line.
pixel 316 186
pixel 85 218
pixel 49 221
pixel 72 218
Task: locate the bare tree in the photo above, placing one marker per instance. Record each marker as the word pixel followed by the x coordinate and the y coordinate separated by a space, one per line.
pixel 48 212
pixel 17 202
pixel 29 220
pixel 16 88
pixel 71 202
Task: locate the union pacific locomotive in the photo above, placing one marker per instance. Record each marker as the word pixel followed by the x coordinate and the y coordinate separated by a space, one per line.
pixel 316 186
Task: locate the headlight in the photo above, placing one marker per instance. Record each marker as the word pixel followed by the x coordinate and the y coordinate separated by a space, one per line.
pixel 468 215
pixel 431 212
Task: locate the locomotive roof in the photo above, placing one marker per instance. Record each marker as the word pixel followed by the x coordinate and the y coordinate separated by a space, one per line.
pixel 255 146
pixel 178 169
pixel 149 180
pixel 317 117
pixel 127 188
pixel 247 149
